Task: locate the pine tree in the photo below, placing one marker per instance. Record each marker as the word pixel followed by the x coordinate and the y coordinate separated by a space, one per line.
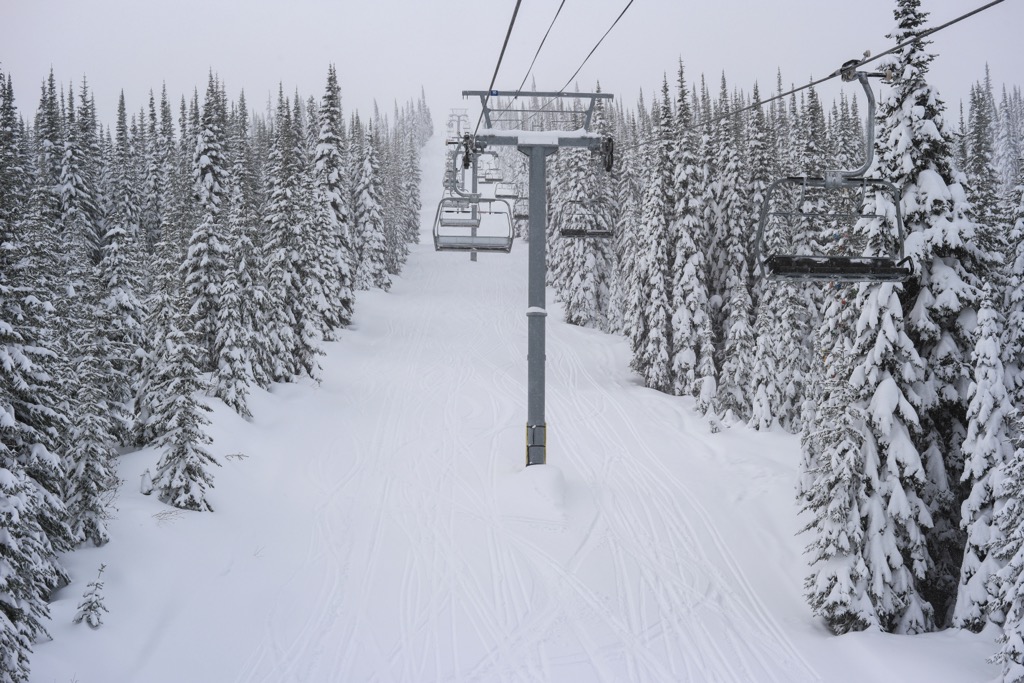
pixel 32 513
pixel 92 607
pixel 693 364
pixel 1008 489
pixel 987 447
pixel 953 256
pixel 835 491
pixel 897 516
pixel 332 219
pixel 291 331
pixel 368 220
pixel 206 263
pixel 182 476
pixel 651 340
pixel 580 268
pixel 91 450
pixel 771 339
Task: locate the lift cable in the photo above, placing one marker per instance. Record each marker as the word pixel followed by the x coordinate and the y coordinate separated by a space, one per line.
pixel 498 65
pixel 598 44
pixel 594 49
pixel 535 55
pixel 836 73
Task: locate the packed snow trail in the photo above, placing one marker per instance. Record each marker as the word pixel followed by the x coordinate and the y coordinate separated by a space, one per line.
pixel 436 558
pixel 381 525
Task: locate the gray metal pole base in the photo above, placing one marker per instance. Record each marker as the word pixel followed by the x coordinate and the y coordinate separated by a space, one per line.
pixel 536 444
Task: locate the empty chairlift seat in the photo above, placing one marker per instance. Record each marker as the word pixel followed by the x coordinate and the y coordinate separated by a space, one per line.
pixel 578 219
pixel 477 224
pixel 838 227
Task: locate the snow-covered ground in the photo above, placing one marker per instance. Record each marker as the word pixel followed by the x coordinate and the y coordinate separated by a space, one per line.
pixel 382 527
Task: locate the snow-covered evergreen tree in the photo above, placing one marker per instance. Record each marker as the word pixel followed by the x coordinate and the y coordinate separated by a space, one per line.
pixel 953 256
pixel 92 607
pixel 206 262
pixel 368 219
pixel 182 475
pixel 32 513
pixel 693 364
pixel 291 331
pixel 332 219
pixel 987 447
pixel 651 339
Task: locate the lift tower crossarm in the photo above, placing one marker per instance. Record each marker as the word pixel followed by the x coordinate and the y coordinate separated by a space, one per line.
pixel 485 96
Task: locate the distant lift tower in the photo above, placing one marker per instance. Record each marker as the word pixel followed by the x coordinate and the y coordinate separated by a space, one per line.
pixel 538 145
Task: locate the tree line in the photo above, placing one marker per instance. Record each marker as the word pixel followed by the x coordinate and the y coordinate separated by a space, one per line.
pixel 170 255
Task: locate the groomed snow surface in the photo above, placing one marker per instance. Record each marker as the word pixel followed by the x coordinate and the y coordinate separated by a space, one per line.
pixel 382 527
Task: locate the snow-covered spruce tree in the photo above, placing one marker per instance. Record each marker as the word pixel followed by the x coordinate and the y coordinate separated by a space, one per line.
pixel 291 343
pixel 1009 147
pixel 91 444
pixel 834 490
pixel 91 609
pixel 32 514
pixel 48 150
pixel 580 201
pixel 1013 336
pixel 331 190
pixel 732 399
pixel 410 188
pixel 897 517
pixel 206 262
pixel 626 287
pixel 765 383
pixel 121 315
pixel 693 364
pixel 952 256
pixel 182 475
pixel 651 339
pixel 310 236
pixel 987 447
pixel 368 219
pixel 1008 489
pixel 389 157
pixel 235 341
pixel 238 323
pixel 980 169
pixel 169 252
pixel 125 192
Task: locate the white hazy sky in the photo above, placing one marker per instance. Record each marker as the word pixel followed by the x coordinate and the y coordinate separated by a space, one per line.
pixel 385 50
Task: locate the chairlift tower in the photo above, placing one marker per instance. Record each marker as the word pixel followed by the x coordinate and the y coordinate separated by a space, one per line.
pixel 538 145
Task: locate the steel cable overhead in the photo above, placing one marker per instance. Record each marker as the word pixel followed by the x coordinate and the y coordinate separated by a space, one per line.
pixel 597 45
pixel 534 61
pixel 585 59
pixel 838 72
pixel 497 66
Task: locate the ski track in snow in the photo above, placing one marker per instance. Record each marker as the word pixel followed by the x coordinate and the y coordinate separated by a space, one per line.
pixel 420 573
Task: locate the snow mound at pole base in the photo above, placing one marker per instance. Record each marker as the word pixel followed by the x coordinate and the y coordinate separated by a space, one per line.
pixel 535 494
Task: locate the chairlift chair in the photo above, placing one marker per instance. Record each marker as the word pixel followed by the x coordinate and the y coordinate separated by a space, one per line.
pixel 506 191
pixel 521 209
pixel 821 210
pixel 579 220
pixel 487 227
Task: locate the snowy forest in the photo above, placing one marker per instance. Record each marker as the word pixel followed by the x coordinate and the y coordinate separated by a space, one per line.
pixel 906 396
pixel 150 264
pixel 208 249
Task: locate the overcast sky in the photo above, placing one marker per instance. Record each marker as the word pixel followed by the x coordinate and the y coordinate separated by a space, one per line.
pixel 385 50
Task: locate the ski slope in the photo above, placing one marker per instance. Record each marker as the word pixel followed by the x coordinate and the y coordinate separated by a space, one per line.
pixel 381 526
